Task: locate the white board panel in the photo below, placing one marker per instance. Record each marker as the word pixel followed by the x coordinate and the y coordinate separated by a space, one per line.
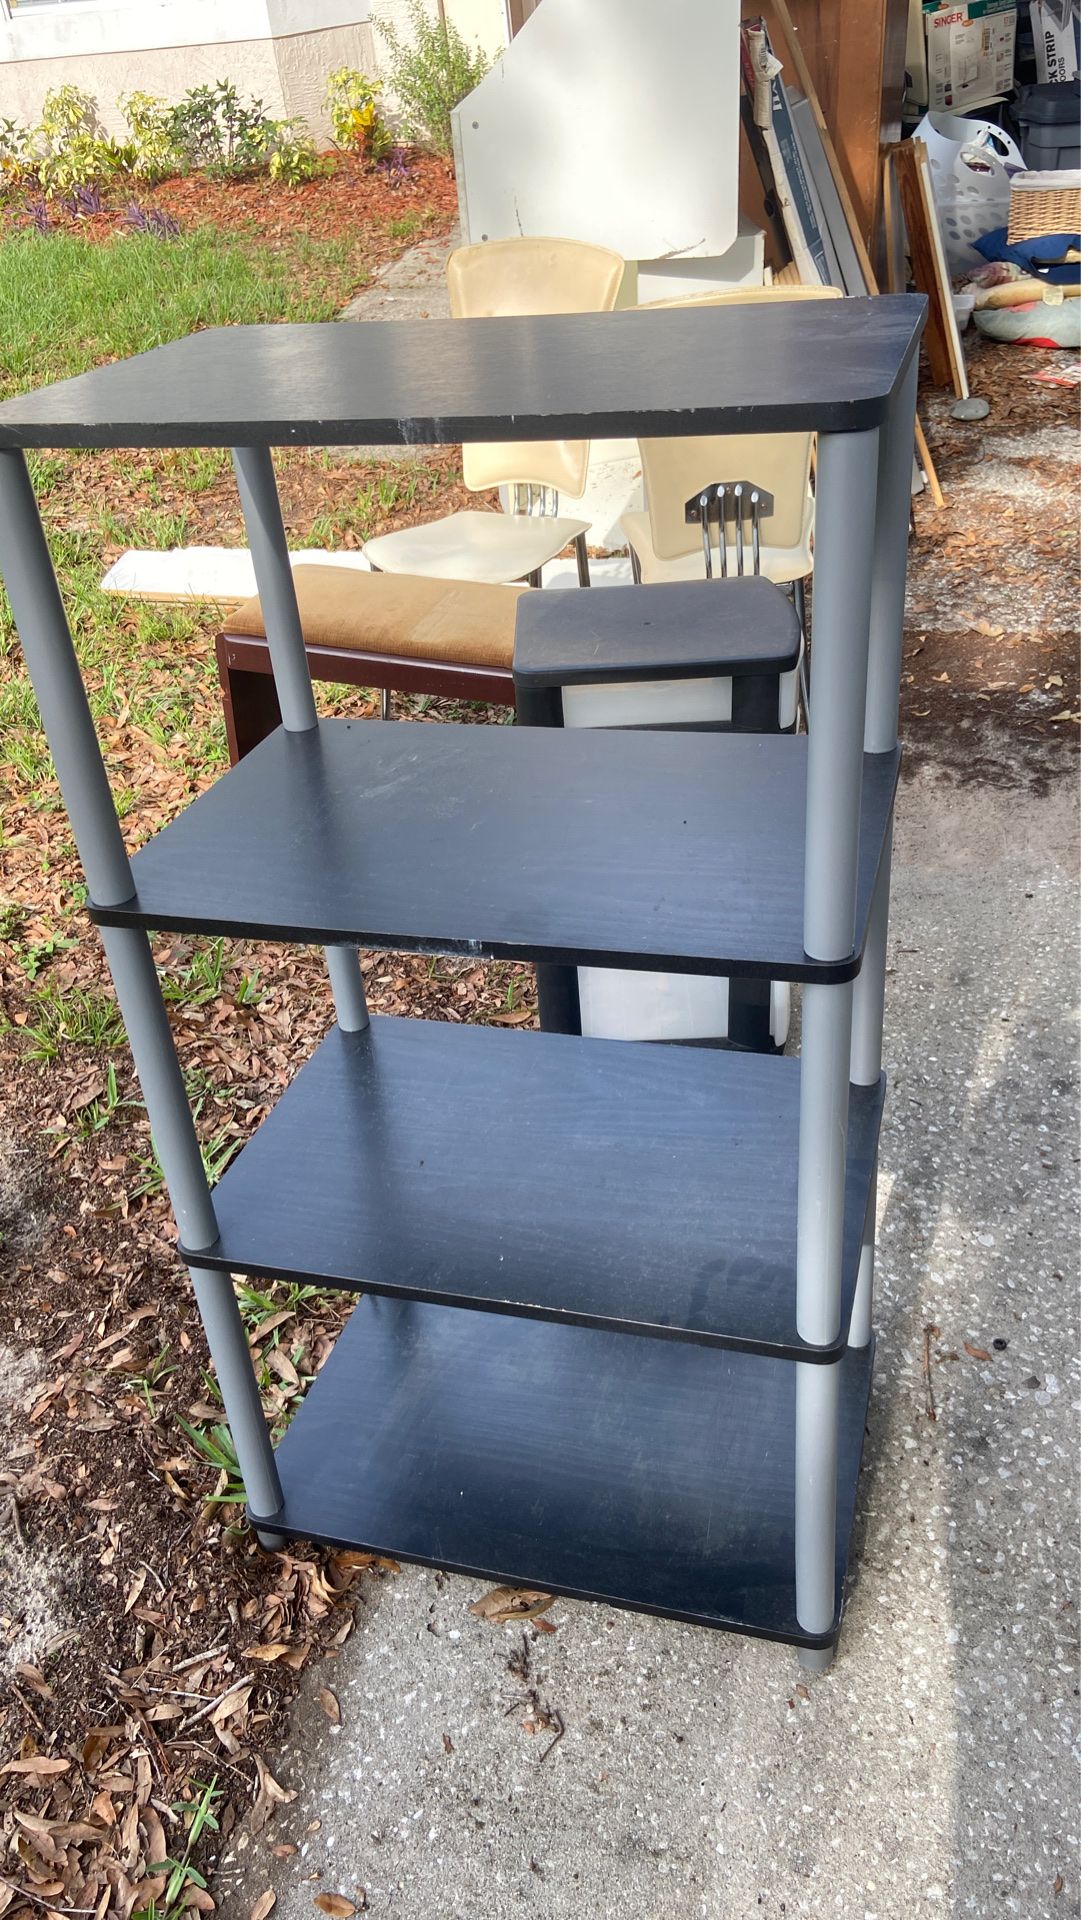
pixel 615 122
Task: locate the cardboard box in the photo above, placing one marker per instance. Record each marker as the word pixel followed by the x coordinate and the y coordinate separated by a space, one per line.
pixel 1056 46
pixel 969 52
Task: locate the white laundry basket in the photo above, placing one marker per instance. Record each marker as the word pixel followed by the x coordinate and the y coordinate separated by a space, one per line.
pixel 971 165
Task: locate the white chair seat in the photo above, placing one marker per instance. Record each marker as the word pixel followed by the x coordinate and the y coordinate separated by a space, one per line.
pixel 495 548
pixel 779 564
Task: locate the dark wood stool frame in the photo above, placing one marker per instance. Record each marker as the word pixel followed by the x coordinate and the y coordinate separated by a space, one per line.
pixel 250 699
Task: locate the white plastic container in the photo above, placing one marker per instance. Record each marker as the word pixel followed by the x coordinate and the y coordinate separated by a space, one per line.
pixel 971 165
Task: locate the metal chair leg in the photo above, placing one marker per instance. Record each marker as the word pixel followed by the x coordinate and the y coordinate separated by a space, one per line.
pixel 386 710
pixel 582 557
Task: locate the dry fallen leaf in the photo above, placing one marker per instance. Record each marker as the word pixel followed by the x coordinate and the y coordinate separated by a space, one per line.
pixel 511 1603
pixel 269 1795
pixel 264 1905
pixel 269 1650
pixel 976 1353
pixel 37 1763
pixel 335 1904
pixel 329 1703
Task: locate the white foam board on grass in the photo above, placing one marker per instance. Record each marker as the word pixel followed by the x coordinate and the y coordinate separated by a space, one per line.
pixel 226 574
pixel 203 573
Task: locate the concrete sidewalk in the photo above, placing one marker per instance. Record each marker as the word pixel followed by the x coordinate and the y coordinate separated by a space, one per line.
pixel 929 1771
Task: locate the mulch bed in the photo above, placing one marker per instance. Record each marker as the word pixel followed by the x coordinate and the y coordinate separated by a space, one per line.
pixel 358 204
pixel 990 689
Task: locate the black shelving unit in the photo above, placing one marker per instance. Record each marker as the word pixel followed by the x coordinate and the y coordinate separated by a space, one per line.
pixel 615 1333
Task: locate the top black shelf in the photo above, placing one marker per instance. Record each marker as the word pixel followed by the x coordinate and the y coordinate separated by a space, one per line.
pixel 826 365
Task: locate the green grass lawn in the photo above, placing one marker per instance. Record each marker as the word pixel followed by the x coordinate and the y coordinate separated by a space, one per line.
pixel 68 302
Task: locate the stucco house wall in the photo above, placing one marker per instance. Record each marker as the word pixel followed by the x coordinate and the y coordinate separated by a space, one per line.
pixel 277 50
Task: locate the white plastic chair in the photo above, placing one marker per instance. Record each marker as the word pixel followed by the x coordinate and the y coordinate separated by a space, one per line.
pixel 506 277
pixel 666 545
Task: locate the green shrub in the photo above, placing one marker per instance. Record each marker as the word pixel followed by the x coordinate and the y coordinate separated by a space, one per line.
pixel 431 75
pixel 156 154
pixel 296 158
pixel 351 101
pixel 17 159
pixel 71 151
pixel 213 128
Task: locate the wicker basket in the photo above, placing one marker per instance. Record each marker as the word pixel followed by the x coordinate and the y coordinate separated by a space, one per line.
pixel 1044 203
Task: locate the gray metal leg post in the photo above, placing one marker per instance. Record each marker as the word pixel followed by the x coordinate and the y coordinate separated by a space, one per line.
pixel 258 489
pixel 58 686
pixel 880 736
pixel 847 476
pixel 869 992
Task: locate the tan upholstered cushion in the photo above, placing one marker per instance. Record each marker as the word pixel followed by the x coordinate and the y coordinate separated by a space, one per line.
pixel 397 613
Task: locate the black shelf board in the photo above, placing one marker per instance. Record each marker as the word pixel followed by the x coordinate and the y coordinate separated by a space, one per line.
pixel 586 847
pixel 608 1183
pixel 633 1472
pixel 830 367
pixel 680 630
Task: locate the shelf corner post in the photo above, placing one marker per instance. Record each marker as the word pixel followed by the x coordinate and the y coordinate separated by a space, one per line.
pixel 880 736
pixel 38 607
pixel 845 523
pixel 258 490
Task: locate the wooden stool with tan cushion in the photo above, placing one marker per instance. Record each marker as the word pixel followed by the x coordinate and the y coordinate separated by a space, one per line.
pixel 399 632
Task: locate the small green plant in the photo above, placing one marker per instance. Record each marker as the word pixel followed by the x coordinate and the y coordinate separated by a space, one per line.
pixel 75 1016
pixel 37 954
pixel 71 151
pixel 216 1445
pixel 153 1379
pixel 215 1153
pixel 249 993
pixel 213 128
pixel 352 103
pixel 430 75
pixel 295 158
pixel 95 1117
pixel 16 154
pixel 201 980
pixel 155 152
pixel 198 1818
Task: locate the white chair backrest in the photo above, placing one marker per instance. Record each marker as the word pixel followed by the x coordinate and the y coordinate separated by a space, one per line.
pixel 780 463
pixel 505 277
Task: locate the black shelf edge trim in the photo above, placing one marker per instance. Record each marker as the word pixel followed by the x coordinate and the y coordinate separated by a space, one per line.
pixel 543 377
pixel 607 1184
pixel 646 1476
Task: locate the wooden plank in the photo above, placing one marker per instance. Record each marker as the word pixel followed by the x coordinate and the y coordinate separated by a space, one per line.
pixel 922 256
pixel 894 246
pixel 928 465
pixel 942 272
pixel 807 87
pixel 855 55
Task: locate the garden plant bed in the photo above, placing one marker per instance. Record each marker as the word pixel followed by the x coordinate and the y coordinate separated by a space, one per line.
pixel 374 208
pixel 122 1727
